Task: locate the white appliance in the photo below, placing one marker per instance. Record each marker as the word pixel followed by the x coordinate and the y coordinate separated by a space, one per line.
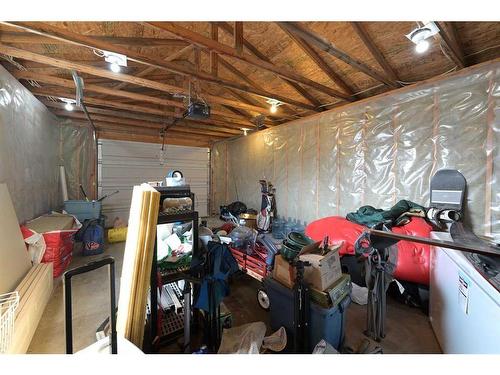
pixel 464 305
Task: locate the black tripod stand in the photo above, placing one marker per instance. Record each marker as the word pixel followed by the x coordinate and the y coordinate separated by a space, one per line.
pixel 301 313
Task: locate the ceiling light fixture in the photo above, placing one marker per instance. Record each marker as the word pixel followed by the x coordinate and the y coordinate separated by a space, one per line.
pixel 419 35
pixel 274 105
pixel 115 60
pixel 245 131
pixel 69 104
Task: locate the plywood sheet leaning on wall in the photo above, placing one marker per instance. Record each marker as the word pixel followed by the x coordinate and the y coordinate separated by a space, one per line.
pixel 14 259
pixel 34 293
pixel 137 261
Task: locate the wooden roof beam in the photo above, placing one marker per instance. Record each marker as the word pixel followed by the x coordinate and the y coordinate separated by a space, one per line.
pixel 58 93
pixel 451 45
pixel 52 80
pixel 127 136
pixel 255 51
pixel 178 128
pixel 318 60
pixel 65 64
pixel 238 37
pixel 368 42
pixel 29 38
pixel 222 49
pixel 155 121
pixel 150 69
pixel 132 55
pixel 214 58
pixel 323 44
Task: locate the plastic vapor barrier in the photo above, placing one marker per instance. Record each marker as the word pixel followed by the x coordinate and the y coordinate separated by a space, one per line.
pixel 32 146
pixel 375 152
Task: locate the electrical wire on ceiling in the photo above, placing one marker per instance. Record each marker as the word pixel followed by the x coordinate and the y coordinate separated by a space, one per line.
pixel 485 49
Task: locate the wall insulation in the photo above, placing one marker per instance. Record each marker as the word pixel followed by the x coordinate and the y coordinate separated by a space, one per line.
pixel 375 152
pixel 32 146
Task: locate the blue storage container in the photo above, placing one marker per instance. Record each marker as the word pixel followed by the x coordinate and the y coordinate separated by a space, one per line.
pixel 325 323
pixel 82 209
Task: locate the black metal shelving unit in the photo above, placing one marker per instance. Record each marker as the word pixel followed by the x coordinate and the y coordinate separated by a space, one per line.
pixel 174 323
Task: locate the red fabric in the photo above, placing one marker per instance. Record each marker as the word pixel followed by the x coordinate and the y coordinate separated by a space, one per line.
pixel 413 258
pixel 59 248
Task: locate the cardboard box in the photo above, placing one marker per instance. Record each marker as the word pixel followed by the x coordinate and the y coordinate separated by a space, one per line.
pixel 334 294
pixel 323 272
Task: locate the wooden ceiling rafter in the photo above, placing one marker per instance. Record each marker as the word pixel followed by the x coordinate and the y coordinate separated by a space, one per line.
pixel 68 83
pixel 144 72
pixel 319 61
pixel 456 53
pixel 222 49
pixel 140 124
pixel 255 51
pixel 156 120
pixel 82 40
pixel 214 58
pixel 61 93
pixel 65 64
pixel 238 37
pixel 360 29
pixel 30 38
pixel 324 44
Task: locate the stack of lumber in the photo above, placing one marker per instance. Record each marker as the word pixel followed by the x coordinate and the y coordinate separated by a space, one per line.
pixel 34 284
pixel 34 293
pixel 137 262
pixel 14 258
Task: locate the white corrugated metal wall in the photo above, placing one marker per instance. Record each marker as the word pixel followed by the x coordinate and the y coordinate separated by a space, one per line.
pixel 123 164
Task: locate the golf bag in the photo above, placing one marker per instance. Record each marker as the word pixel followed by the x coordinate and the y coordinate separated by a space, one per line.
pixel 267 207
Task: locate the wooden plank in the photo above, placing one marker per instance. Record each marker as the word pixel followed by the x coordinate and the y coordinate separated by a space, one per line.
pixel 318 60
pixel 222 49
pixel 31 308
pixel 14 259
pixel 238 37
pixel 65 64
pixel 29 38
pixel 135 108
pixel 325 45
pixel 254 50
pixel 214 58
pixel 160 122
pixel 150 69
pixel 132 55
pixel 197 59
pixel 137 262
pixel 121 93
pixel 368 42
pixel 141 124
pixel 451 46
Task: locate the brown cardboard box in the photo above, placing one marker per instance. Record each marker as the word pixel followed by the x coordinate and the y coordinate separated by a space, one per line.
pixel 324 271
pixel 283 271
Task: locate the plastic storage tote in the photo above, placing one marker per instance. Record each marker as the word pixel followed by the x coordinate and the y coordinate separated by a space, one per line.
pixel 326 323
pixel 82 209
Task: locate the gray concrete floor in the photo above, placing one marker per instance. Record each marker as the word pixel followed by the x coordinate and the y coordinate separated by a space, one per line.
pixel 408 329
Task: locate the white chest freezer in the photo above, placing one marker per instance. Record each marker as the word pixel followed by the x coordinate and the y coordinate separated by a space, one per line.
pixel 464 303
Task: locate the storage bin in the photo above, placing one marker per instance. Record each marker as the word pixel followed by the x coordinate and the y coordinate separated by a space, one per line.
pixel 82 209
pixel 325 323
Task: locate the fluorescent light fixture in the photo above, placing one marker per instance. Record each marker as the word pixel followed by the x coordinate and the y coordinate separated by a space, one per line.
pixel 420 35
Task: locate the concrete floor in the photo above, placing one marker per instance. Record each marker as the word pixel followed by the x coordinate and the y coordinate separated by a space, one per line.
pixel 408 329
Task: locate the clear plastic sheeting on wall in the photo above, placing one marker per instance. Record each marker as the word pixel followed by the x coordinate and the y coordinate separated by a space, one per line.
pixel 78 152
pixel 33 144
pixel 375 152
pixel 29 150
